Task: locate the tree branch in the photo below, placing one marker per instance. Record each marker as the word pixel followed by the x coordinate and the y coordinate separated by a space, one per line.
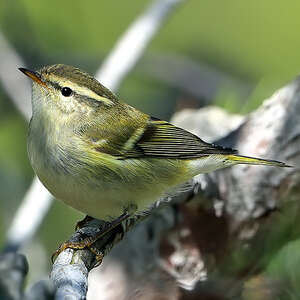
pixel 131 46
pixel 16 87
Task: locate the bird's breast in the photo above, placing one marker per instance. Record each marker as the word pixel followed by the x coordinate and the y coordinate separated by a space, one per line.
pixel 96 183
pixel 69 178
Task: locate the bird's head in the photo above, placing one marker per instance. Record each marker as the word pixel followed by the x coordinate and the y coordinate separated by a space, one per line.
pixel 68 90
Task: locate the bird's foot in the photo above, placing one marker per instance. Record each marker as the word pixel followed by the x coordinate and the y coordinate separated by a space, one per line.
pixel 85 239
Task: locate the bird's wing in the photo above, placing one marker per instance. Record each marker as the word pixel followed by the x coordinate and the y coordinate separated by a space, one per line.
pixel 161 139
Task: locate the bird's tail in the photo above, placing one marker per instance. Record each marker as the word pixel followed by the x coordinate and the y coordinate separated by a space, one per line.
pixel 240 159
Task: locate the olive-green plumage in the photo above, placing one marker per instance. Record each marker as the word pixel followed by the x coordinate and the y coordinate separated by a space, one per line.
pixel 102 156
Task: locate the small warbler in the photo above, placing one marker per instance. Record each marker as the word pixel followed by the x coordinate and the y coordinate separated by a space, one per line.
pixel 104 157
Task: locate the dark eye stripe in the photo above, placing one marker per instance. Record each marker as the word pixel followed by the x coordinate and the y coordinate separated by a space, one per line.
pixel 60 88
pixel 55 85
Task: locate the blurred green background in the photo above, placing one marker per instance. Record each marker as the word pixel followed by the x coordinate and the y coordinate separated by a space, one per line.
pixel 230 53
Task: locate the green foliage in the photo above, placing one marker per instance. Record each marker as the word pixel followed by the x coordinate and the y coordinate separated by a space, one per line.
pixel 285 269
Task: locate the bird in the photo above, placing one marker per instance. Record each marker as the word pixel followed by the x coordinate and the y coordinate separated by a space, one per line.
pixel 104 157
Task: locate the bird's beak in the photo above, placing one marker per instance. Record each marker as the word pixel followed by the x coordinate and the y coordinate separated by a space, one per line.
pixel 34 76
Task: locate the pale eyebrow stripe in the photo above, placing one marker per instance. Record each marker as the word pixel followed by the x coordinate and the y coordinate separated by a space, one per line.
pixel 81 90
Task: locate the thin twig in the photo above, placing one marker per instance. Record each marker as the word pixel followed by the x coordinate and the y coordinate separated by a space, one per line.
pixel 29 216
pixel 130 47
pixel 13 82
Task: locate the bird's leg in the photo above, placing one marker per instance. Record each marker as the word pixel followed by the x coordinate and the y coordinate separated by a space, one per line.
pixel 81 239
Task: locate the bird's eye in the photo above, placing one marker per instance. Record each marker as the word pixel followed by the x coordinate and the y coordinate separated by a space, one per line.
pixel 66 91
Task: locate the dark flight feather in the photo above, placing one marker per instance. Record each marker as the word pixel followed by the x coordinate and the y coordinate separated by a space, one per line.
pixel 164 140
